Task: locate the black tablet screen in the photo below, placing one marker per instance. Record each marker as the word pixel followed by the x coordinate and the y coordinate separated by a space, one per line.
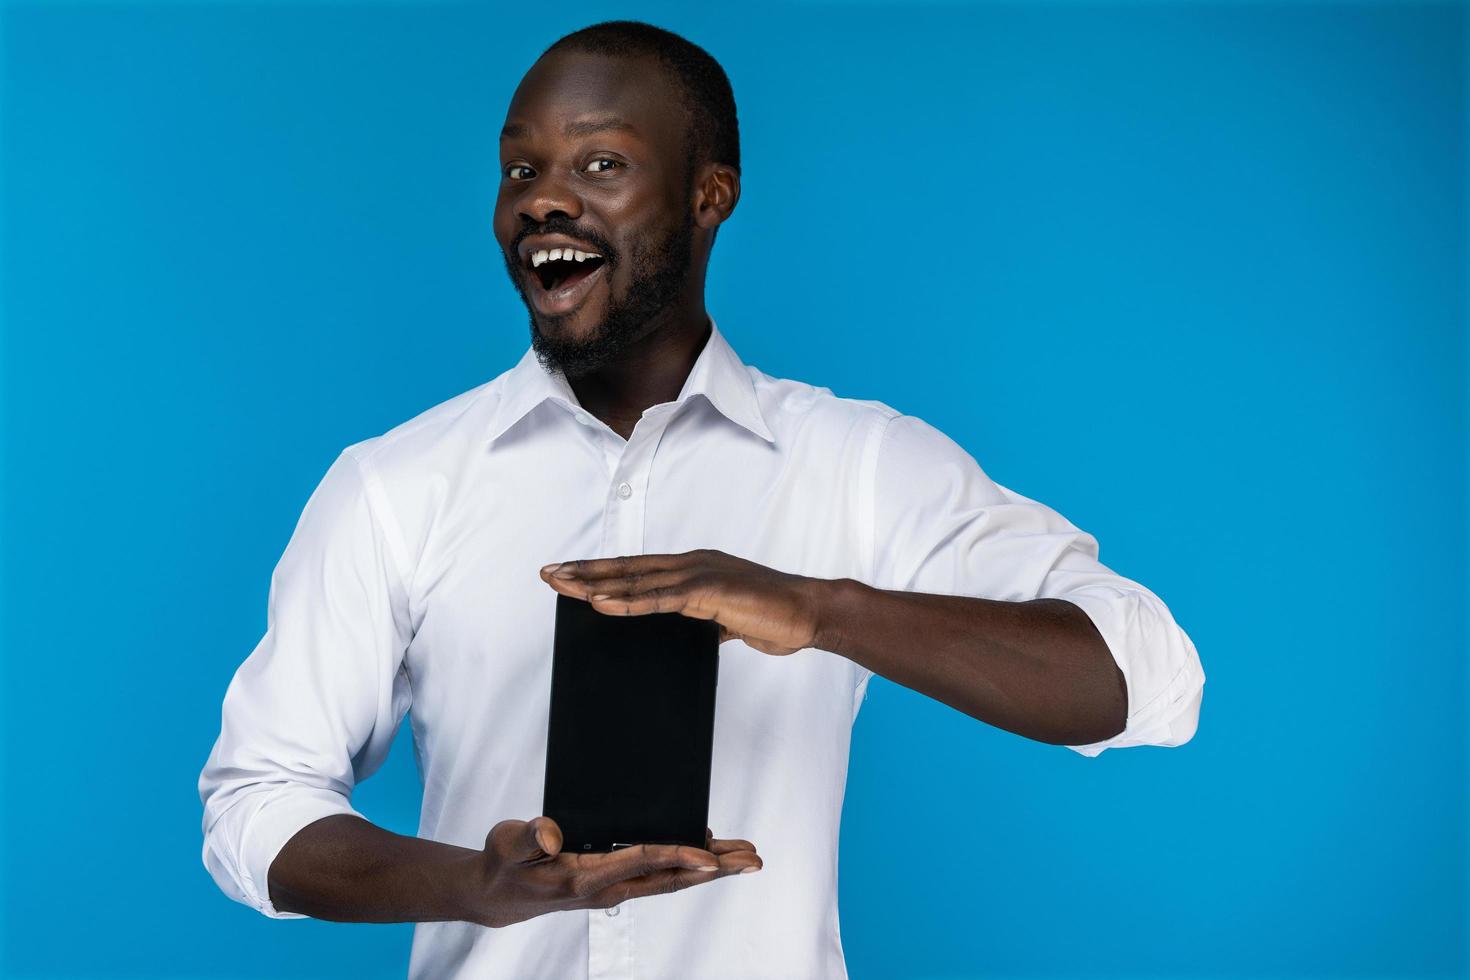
pixel 631 728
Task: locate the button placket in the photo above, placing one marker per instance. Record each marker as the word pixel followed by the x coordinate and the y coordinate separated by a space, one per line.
pixel 622 532
pixel 609 944
pixel 610 931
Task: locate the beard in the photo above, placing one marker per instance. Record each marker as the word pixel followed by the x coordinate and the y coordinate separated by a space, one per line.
pixel 659 271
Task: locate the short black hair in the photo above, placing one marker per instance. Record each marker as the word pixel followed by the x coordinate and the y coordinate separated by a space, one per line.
pixel 714 128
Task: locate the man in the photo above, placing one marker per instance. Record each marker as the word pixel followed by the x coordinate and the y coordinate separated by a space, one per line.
pixel 631 460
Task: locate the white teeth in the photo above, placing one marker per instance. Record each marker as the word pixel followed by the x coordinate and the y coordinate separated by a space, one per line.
pixel 561 254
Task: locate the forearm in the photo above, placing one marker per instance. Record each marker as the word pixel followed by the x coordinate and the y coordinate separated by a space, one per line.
pixel 345 869
pixel 1038 668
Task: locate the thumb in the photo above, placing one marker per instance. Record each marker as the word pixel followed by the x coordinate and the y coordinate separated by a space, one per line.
pixel 542 839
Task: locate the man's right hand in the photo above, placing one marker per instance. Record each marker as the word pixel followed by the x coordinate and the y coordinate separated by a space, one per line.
pixel 522 873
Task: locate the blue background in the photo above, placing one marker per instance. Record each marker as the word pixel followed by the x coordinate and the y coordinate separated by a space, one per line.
pixel 1206 296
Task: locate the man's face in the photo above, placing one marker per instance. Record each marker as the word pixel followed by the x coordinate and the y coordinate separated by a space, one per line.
pixel 594 159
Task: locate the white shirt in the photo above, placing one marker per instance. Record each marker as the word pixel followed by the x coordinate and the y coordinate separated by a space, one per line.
pixel 411 579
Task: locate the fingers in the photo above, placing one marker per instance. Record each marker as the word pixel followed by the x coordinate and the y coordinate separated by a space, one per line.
pixel 656 883
pixel 669 880
pixel 588 569
pixel 690 598
pixel 659 591
pixel 624 586
pixel 636 584
pixel 740 860
pixel 599 871
pixel 715 845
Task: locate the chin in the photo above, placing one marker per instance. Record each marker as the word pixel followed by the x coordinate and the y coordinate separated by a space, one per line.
pixel 581 326
pixel 575 343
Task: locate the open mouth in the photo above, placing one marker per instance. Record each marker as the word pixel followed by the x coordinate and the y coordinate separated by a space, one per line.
pixel 560 269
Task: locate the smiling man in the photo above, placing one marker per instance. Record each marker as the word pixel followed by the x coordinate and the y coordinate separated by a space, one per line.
pixel 632 460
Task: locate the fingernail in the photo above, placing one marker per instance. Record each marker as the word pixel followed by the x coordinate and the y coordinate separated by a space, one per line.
pixel 603 596
pixel 749 870
pixel 564 572
pixel 709 867
pixel 548 569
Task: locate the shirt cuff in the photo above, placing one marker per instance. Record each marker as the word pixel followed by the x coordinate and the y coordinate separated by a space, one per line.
pixel 1160 668
pixel 285 813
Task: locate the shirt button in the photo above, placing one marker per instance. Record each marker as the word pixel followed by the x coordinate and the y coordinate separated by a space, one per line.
pixel 624 491
pixel 612 911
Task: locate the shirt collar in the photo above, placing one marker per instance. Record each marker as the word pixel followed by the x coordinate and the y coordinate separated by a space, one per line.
pixel 718 374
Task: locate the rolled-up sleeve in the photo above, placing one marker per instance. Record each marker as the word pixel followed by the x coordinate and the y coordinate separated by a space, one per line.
pixel 315 707
pixel 941 525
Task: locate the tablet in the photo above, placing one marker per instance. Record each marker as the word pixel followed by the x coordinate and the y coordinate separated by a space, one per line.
pixel 631 727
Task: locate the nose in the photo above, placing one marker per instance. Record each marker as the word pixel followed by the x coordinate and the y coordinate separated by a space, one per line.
pixel 545 195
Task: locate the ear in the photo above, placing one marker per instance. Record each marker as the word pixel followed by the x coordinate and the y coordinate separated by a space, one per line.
pixel 716 192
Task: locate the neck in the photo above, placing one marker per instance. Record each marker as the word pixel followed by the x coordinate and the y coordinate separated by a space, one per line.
pixel 652 371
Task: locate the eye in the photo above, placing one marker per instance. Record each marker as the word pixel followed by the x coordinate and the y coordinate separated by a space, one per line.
pixel 519 171
pixel 597 165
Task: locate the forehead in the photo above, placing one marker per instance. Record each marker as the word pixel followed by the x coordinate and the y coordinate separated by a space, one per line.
pixel 565 88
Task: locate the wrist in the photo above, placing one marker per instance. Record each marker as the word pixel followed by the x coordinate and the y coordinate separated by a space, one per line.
pixel 833 601
pixel 465 886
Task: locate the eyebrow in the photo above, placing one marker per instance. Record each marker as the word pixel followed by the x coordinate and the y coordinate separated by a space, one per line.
pixel 586 127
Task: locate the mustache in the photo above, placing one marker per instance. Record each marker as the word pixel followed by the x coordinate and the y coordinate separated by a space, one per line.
pixel 558 225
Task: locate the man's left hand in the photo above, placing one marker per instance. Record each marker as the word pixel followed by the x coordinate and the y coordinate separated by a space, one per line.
pixel 773 612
